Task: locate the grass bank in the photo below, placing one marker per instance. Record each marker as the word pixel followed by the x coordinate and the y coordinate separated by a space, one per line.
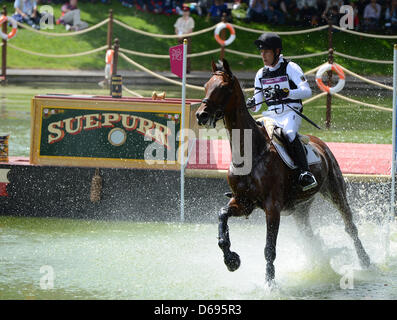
pixel 93 13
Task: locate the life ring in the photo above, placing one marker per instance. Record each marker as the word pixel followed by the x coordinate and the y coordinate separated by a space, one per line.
pixel 109 63
pixel 13 30
pixel 220 26
pixel 327 67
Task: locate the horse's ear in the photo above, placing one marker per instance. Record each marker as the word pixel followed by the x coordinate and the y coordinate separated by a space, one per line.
pixel 226 67
pixel 214 68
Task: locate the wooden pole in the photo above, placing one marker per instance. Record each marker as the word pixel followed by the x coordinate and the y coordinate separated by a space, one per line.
pixel 116 55
pixel 222 35
pixel 4 51
pixel 115 61
pixel 110 29
pixel 329 73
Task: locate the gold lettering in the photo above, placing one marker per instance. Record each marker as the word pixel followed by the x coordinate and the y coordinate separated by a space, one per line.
pixel 92 121
pixel 58 134
pixel 109 119
pixel 161 133
pixel 144 126
pixel 129 122
pixel 69 124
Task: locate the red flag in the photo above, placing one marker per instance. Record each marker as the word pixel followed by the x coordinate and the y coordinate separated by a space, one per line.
pixel 176 60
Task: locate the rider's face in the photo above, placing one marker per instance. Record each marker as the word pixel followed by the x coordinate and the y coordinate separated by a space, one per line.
pixel 268 57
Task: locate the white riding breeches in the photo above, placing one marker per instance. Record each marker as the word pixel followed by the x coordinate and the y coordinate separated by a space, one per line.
pixel 288 120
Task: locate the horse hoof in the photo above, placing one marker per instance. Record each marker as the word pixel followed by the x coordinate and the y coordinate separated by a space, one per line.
pixel 232 261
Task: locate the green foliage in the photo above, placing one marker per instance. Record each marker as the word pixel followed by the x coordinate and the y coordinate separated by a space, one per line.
pixel 94 13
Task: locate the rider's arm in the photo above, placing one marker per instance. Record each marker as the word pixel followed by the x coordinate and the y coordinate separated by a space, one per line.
pixel 258 95
pixel 296 74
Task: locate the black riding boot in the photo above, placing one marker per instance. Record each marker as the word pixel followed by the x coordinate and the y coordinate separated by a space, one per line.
pixel 297 151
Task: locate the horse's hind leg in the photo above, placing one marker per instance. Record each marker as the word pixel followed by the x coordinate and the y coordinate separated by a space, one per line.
pixel 337 193
pixel 231 259
pixel 301 217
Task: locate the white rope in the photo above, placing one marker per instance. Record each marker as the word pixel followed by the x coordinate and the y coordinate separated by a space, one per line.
pixel 309 55
pixel 369 35
pixel 362 59
pixel 47 55
pixel 64 34
pixel 280 32
pixel 314 70
pixel 314 98
pixel 132 92
pixel 122 55
pixel 166 56
pixel 165 36
pixel 366 80
pixel 362 103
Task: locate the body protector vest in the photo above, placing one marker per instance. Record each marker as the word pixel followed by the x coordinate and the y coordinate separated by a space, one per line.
pixel 278 77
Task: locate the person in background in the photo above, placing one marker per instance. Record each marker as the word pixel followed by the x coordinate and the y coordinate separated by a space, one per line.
pixel 371 16
pixel 275 15
pixel 184 25
pixel 257 11
pixel 26 12
pixel 391 16
pixel 71 17
pixel 331 11
pixel 217 10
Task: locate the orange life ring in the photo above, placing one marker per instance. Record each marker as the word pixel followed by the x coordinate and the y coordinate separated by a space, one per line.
pixel 109 63
pixel 220 26
pixel 13 30
pixel 339 71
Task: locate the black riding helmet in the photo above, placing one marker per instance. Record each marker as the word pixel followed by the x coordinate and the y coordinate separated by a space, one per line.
pixel 269 40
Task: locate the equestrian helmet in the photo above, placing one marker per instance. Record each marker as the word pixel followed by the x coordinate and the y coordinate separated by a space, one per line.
pixel 269 40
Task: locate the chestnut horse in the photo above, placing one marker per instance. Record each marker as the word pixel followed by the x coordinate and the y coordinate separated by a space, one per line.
pixel 270 184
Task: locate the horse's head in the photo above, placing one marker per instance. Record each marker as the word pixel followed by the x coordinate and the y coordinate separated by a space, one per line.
pixel 218 91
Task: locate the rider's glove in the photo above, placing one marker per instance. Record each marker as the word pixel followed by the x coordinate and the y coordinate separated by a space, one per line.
pixel 279 94
pixel 251 103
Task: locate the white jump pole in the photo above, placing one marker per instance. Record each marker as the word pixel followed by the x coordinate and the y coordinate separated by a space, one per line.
pixel 393 166
pixel 182 133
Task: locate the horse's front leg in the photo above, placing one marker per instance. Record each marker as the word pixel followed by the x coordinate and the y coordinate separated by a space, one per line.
pixel 231 259
pixel 272 224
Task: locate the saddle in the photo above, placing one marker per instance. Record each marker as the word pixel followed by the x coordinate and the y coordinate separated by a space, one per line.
pixel 275 134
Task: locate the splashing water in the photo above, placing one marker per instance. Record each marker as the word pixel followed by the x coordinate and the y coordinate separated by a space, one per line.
pixel 127 260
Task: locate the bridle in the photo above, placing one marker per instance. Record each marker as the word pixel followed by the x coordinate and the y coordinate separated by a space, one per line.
pixel 220 107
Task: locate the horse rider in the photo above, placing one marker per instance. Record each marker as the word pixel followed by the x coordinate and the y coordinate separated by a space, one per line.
pixel 289 85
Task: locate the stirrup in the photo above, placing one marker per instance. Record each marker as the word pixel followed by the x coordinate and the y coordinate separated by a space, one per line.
pixel 310 179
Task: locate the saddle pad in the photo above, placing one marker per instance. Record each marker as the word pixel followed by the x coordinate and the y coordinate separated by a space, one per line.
pixel 311 154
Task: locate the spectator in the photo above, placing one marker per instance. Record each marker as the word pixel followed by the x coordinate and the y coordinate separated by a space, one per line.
pixel 391 16
pixel 26 11
pixel 257 10
pixel 184 25
pixel 331 11
pixel 203 7
pixel 71 17
pixel 275 14
pixel 217 10
pixel 308 12
pixel 356 19
pixel 371 16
